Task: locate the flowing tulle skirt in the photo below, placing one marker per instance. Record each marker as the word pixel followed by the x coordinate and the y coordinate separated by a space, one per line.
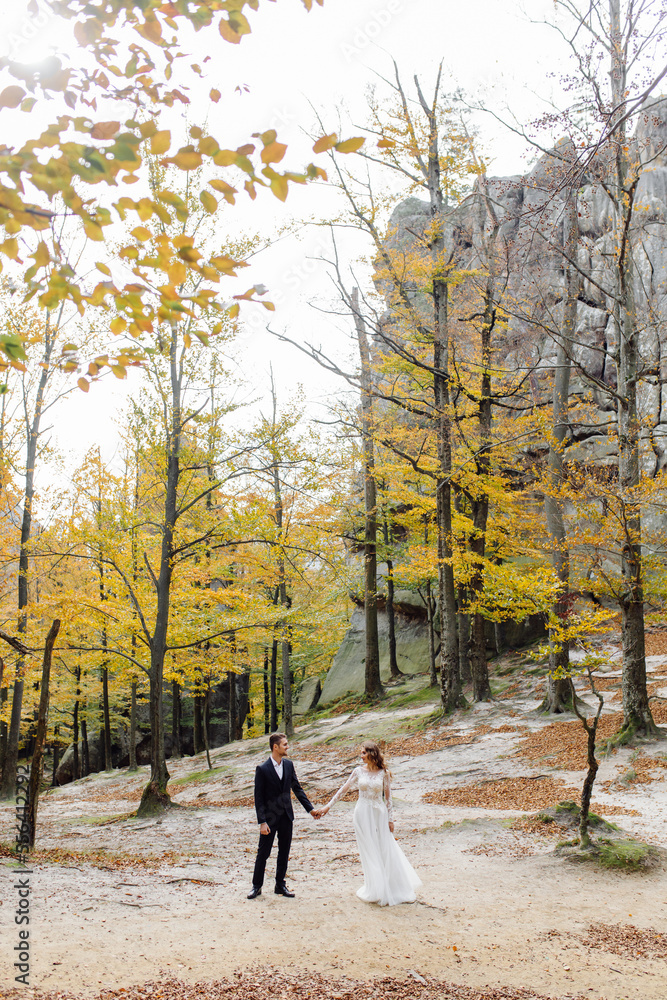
pixel 389 878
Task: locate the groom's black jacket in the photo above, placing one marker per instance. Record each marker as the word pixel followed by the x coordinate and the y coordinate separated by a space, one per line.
pixel 273 798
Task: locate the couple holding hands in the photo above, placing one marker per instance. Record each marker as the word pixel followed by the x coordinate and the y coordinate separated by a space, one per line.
pixel 388 876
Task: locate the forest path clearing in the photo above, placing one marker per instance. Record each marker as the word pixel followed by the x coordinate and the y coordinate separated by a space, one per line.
pixel 166 897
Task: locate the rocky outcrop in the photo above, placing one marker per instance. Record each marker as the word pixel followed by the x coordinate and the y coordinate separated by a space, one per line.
pixel 120 747
pixel 308 696
pixel 530 212
pixel 346 675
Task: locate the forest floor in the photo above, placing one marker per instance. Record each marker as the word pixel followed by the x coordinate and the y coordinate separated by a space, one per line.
pixel 157 908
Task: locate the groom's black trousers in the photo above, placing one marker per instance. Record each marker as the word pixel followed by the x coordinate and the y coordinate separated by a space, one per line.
pixel 283 827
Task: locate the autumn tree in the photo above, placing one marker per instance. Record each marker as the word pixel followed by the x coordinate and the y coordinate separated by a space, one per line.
pixel 31 390
pixel 86 152
pixel 296 484
pixel 612 45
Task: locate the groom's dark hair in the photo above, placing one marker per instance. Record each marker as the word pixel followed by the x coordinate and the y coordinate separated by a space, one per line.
pixel 275 738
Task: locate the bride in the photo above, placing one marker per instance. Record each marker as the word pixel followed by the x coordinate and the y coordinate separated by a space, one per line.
pixel 388 876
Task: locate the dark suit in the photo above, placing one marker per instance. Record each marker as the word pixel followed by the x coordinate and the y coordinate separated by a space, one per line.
pixel 273 803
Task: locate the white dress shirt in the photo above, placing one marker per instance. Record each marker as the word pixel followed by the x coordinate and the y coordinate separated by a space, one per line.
pixel 278 767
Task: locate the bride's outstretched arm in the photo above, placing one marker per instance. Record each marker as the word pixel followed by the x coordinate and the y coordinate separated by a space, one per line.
pixel 351 782
pixel 388 800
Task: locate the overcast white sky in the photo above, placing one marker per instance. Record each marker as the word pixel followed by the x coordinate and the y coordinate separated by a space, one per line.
pixel 294 62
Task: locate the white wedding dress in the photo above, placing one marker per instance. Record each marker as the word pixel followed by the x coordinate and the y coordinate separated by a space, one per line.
pixel 389 878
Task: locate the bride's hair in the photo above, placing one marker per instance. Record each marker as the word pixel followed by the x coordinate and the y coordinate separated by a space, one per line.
pixel 375 754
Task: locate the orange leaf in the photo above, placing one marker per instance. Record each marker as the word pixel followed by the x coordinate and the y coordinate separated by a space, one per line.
pixel 83 384
pixel 228 32
pixel 350 145
pixel 161 141
pixel 273 153
pixel 104 130
pixel 326 142
pixel 11 97
pixel 279 186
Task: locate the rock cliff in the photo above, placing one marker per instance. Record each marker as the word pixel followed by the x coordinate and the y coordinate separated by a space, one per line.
pixel 530 212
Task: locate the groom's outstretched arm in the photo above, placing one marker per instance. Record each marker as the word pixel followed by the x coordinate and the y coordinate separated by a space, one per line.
pixel 300 794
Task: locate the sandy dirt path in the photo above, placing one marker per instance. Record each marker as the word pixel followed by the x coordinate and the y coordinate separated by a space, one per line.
pixel 497 907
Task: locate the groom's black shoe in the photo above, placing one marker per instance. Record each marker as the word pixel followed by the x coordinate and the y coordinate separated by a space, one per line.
pixel 282 890
pixel 255 892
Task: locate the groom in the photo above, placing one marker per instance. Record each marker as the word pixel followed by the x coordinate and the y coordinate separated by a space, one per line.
pixel 275 780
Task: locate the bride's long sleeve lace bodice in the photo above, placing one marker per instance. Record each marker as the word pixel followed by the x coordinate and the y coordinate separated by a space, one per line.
pixel 374 787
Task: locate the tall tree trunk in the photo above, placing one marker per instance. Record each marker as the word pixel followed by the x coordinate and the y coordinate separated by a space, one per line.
pixel 176 751
pixel 206 721
pixel 232 719
pixel 267 695
pixel 85 749
pixel 558 695
pixel 372 681
pixel 3 725
pixel 105 741
pixel 133 726
pixel 106 718
pixel 197 727
pixel 391 622
pixel 288 722
pixel 637 717
pixel 463 628
pixel 274 686
pixel 3 729
pixel 430 615
pixel 33 432
pixel 37 767
pixel 279 548
pixel 75 724
pixel 481 686
pixel 394 672
pixel 450 678
pixel 155 796
pixel 134 550
pixel 55 756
